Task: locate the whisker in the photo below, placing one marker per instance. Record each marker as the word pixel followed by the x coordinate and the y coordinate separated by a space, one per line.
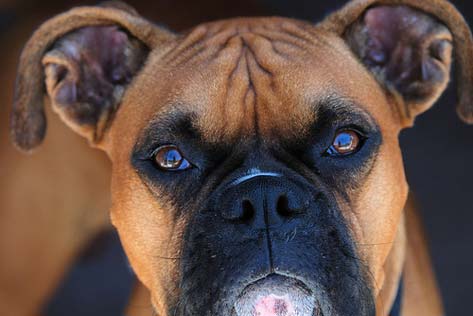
pixel 167 258
pixel 375 244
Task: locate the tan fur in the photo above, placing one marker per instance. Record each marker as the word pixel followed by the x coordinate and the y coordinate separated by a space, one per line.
pixel 51 205
pixel 421 296
pixel 140 302
pixel 239 78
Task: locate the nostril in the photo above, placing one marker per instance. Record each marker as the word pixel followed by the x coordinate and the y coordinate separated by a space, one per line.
pixel 248 211
pixel 282 206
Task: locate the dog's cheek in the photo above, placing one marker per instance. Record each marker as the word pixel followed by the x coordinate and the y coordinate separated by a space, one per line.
pixel 150 235
pixel 377 210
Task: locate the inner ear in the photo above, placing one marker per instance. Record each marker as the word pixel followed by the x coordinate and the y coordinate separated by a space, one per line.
pixel 87 71
pixel 407 50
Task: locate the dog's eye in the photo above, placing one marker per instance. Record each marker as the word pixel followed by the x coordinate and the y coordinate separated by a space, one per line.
pixel 345 142
pixel 169 157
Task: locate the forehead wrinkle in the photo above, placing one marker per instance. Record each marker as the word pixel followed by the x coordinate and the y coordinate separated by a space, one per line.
pixel 211 38
pixel 205 50
pixel 242 72
pixel 250 90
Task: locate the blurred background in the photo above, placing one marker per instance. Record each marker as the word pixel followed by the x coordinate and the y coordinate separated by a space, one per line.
pixel 438 157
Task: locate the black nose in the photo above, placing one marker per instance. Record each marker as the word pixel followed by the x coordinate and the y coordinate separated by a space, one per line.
pixel 263 200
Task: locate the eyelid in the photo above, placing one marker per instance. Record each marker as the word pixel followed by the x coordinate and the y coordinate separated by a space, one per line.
pixel 355 128
pixel 152 153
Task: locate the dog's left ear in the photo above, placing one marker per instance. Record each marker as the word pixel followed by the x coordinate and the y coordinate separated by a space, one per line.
pixel 407 45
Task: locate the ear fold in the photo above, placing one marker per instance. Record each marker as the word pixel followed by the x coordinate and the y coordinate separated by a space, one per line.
pixel 85 58
pixel 407 45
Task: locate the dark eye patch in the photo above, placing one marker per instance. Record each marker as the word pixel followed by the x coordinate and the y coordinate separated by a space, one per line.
pixel 171 128
pixel 335 115
pixel 177 130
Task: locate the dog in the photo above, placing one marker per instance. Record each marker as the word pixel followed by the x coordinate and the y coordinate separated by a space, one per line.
pixel 256 168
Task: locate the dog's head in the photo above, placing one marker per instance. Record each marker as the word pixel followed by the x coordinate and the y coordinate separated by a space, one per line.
pixel 256 164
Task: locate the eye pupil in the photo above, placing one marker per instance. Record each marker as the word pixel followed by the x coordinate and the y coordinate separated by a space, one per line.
pixel 169 158
pixel 345 142
pixel 172 159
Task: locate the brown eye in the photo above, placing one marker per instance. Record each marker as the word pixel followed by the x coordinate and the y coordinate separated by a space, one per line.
pixel 345 142
pixel 169 157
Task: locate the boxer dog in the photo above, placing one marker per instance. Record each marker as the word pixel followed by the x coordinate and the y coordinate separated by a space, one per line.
pixel 256 168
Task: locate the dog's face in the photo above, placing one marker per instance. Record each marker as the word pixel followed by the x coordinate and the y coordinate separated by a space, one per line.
pixel 256 164
pixel 257 156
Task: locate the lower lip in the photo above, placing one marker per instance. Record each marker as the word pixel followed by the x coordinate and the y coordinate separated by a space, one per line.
pixel 274 305
pixel 275 295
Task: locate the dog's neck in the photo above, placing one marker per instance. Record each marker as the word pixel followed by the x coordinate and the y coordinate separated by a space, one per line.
pixel 396 308
pixel 393 271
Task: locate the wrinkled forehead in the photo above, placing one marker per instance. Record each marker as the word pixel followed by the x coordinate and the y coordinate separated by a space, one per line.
pixel 264 76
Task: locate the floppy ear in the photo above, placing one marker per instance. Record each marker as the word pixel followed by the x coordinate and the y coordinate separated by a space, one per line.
pixel 407 45
pixel 84 59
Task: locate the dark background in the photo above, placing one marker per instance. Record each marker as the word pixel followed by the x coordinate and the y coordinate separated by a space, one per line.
pixel 438 157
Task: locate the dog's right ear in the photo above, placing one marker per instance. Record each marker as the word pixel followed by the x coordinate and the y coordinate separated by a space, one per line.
pixel 84 59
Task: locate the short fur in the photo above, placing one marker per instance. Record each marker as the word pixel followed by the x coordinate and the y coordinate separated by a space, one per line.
pixel 245 94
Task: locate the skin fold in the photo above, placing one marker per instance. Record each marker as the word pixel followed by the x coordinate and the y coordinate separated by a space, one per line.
pixel 253 106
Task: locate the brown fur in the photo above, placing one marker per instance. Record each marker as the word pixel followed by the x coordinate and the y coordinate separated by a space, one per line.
pixel 51 205
pixel 421 295
pixel 239 77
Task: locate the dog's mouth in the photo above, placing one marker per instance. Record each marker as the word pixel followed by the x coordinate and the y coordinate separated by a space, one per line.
pixel 276 295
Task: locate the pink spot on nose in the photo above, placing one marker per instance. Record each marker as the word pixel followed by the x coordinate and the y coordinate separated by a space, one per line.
pixel 273 305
